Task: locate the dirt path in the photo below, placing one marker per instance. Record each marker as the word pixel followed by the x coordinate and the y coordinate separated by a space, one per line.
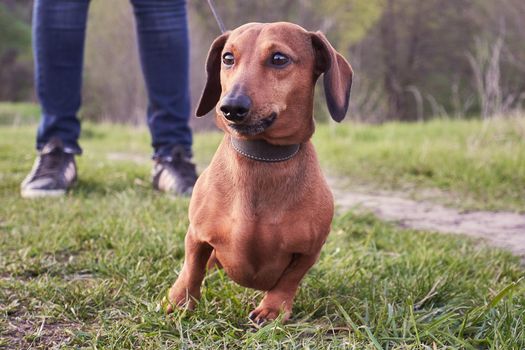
pixel 500 229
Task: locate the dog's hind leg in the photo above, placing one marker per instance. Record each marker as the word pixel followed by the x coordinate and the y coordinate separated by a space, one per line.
pixel 213 262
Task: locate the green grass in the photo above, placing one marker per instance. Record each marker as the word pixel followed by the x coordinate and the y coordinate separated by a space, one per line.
pixel 89 270
pixel 467 164
pixel 14 114
pixel 475 164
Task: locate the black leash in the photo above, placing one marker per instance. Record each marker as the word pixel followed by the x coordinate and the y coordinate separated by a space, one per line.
pixel 216 15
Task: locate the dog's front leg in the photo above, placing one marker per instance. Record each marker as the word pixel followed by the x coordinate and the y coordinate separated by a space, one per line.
pixel 280 297
pixel 187 288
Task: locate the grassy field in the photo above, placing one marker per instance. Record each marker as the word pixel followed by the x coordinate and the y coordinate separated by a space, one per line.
pixel 472 164
pixel 467 164
pixel 88 270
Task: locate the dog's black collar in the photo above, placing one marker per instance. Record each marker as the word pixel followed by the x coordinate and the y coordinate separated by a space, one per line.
pixel 263 151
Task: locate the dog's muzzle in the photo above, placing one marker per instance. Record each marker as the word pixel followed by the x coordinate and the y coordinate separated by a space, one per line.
pixel 254 128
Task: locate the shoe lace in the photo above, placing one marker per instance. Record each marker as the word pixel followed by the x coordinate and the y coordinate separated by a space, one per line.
pixel 49 164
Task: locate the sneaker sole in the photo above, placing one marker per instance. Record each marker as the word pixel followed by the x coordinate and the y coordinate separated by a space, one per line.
pixel 28 193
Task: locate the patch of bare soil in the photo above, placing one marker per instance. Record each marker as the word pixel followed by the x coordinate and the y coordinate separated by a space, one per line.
pixel 500 229
pixel 41 333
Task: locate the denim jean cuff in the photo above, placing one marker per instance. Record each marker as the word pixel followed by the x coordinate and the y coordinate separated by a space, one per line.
pixel 75 149
pixel 165 153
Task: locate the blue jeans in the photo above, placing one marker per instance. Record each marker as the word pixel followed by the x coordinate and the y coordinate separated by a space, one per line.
pixel 59 28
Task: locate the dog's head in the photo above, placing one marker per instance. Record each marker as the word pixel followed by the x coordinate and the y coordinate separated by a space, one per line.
pixel 261 79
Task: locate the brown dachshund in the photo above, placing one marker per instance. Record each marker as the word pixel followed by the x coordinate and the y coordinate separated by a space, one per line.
pixel 262 210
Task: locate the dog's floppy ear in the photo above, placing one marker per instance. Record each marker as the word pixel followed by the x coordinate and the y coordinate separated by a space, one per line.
pixel 212 90
pixel 337 75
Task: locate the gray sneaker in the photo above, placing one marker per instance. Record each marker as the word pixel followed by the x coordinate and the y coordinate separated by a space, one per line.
pixel 175 174
pixel 53 173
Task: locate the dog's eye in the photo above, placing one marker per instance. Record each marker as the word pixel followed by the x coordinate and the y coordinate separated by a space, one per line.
pixel 228 59
pixel 279 59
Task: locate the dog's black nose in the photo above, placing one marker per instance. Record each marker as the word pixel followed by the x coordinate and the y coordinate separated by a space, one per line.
pixel 235 108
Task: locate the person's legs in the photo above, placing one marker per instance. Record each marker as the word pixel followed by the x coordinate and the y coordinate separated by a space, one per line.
pixel 162 28
pixel 164 50
pixel 59 28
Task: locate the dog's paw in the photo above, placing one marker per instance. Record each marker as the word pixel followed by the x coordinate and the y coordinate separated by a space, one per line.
pixel 179 298
pixel 269 310
pixel 263 315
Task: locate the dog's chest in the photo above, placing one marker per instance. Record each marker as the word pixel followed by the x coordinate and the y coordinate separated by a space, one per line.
pixel 270 216
pixel 253 254
pixel 263 235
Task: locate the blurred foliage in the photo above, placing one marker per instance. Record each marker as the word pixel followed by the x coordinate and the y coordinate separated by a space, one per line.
pixel 114 86
pixel 15 34
pixel 15 62
pixel 347 21
pixel 413 59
